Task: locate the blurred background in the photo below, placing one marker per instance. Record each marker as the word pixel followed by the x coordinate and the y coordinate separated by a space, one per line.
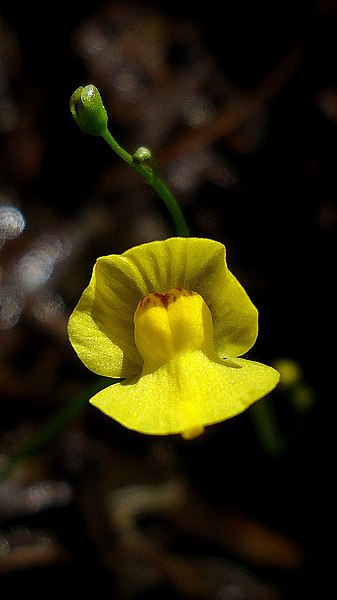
pixel 238 102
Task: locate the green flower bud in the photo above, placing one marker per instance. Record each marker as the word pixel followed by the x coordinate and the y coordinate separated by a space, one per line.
pixel 141 155
pixel 88 110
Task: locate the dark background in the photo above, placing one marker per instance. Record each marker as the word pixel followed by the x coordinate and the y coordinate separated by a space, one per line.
pixel 261 178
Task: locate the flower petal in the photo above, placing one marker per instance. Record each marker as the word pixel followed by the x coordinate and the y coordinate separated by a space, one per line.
pixel 187 393
pixel 101 325
pixel 235 318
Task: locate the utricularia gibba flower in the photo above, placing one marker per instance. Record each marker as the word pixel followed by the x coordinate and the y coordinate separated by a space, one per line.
pixel 170 320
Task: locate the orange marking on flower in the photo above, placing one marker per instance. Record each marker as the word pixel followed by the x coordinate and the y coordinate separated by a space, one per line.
pixel 165 299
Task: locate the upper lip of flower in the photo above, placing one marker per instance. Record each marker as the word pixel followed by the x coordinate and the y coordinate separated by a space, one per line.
pixel 101 327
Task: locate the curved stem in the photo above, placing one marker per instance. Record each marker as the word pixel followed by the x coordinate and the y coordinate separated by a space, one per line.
pixel 172 206
pixel 117 148
pixel 151 177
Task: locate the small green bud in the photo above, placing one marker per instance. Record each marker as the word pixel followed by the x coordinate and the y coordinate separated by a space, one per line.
pixel 88 110
pixel 141 155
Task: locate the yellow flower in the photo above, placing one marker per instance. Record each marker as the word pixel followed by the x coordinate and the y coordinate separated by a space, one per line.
pixel 169 319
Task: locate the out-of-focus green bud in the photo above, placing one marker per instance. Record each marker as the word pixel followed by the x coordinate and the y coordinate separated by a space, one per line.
pixel 88 110
pixel 290 370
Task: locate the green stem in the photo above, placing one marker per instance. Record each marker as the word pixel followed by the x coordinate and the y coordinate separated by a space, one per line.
pixel 117 148
pixel 172 205
pixel 151 177
pixel 56 424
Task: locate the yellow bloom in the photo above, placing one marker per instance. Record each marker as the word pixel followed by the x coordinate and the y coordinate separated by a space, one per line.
pixel 169 319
